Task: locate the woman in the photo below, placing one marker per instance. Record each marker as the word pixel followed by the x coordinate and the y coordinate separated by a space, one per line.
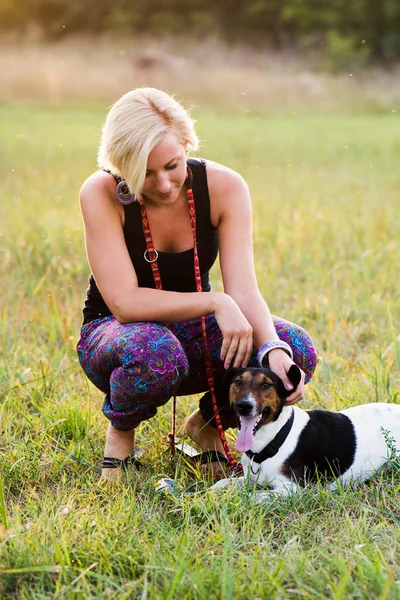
pixel 141 345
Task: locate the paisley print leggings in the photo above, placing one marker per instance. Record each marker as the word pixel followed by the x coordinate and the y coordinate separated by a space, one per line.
pixel 140 366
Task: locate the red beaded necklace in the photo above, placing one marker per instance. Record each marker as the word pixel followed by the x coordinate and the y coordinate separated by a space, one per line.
pixel 151 256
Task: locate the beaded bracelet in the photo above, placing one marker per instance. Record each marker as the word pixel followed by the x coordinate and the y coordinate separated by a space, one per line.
pixel 272 345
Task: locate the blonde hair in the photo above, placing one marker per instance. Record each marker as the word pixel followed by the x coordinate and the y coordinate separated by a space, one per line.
pixel 134 126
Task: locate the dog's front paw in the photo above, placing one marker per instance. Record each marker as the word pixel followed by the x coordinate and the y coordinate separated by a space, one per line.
pixel 266 496
pixel 222 484
pixel 277 491
pixel 232 482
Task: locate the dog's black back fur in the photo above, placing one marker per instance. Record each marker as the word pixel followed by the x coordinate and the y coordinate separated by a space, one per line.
pixel 325 448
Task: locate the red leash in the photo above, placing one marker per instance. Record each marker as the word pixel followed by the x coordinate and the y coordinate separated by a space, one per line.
pixel 151 256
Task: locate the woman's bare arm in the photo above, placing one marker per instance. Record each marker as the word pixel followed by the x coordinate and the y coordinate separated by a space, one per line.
pixel 231 201
pixel 114 273
pixel 231 208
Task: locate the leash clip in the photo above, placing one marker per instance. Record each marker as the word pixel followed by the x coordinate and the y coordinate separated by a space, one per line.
pixel 147 253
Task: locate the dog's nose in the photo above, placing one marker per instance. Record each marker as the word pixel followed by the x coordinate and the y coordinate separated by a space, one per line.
pixel 244 407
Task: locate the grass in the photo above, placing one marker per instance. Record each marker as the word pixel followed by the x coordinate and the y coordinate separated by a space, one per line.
pixel 326 241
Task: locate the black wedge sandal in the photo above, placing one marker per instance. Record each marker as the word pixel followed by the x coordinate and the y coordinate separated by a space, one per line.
pixel 116 463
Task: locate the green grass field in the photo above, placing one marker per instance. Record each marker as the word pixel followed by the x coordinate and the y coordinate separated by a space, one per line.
pixel 327 245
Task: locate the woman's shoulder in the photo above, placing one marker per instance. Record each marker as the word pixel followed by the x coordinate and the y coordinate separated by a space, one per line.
pixel 98 182
pixel 220 177
pixel 228 192
pixel 222 180
pixel 99 190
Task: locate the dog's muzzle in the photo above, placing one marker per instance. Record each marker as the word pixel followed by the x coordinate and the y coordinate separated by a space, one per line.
pixel 246 406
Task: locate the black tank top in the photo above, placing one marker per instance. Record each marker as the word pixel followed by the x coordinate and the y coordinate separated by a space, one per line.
pixel 176 269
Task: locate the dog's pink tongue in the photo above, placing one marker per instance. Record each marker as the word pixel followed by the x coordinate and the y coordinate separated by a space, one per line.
pixel 245 438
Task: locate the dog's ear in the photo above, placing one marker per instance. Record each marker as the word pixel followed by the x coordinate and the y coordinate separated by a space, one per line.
pixel 223 390
pixel 294 376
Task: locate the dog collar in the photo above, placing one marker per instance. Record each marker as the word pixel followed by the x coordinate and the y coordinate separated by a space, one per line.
pixel 272 448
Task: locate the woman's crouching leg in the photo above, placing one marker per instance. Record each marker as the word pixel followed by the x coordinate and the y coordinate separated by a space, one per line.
pixel 149 375
pixel 140 365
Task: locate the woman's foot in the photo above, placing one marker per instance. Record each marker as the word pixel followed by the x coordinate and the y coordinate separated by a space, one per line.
pixel 207 438
pixel 119 445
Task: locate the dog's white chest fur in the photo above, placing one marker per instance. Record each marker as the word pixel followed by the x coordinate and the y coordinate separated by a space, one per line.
pixel 270 470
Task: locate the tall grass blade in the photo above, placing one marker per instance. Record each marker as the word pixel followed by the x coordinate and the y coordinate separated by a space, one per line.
pixel 3 511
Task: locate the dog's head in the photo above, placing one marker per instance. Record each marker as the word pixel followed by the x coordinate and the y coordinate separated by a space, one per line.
pixel 257 397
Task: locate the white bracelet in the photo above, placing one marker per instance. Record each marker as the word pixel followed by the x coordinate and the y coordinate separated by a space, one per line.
pixel 272 345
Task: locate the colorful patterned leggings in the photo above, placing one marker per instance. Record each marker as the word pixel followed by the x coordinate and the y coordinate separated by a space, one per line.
pixel 140 366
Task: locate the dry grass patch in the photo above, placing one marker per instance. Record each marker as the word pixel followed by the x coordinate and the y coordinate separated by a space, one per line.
pixel 86 70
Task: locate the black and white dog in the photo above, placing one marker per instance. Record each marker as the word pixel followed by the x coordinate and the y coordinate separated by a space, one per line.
pixel 285 447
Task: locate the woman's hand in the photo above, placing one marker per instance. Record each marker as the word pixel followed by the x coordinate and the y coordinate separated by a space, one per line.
pixel 280 363
pixel 237 333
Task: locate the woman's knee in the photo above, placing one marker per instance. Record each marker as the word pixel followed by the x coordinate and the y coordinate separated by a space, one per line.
pixel 152 364
pixel 140 352
pixel 304 350
pixel 155 350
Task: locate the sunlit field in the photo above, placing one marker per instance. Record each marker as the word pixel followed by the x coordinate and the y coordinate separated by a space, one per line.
pixel 325 193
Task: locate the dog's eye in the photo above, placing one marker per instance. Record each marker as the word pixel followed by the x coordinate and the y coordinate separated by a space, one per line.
pixel 266 385
pixel 238 382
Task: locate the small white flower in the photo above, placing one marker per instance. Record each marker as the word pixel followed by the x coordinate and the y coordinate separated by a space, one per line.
pixel 27 525
pixel 26 375
pixel 65 510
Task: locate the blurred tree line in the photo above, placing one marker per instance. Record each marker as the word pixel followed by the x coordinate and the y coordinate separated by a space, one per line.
pixel 347 31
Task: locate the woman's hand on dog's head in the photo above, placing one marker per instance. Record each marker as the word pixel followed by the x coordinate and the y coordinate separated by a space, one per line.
pixel 280 363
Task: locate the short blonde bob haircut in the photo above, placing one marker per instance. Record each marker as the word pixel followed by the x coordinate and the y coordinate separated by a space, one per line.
pixel 134 126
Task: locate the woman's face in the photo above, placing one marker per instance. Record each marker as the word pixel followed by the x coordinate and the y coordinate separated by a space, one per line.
pixel 166 170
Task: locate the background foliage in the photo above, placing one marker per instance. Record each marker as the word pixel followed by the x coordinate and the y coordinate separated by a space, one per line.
pixel 350 31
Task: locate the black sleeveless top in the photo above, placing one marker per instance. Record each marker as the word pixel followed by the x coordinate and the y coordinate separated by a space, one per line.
pixel 176 269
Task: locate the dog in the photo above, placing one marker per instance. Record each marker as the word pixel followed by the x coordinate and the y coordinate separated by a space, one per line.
pixel 286 448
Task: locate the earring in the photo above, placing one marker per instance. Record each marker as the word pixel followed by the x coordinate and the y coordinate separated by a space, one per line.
pixel 123 194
